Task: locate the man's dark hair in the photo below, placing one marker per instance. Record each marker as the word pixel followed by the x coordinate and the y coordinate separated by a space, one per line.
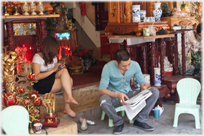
pixel 199 28
pixel 122 55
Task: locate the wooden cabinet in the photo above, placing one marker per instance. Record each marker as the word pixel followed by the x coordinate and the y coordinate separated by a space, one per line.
pixel 35 39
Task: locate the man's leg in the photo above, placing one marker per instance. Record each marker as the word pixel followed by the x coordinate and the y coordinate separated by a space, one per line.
pixel 108 105
pixel 143 116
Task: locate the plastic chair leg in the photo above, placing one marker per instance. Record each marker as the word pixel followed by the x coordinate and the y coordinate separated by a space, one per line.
pixel 103 115
pixel 197 120
pixel 175 123
pixel 110 123
pixel 131 121
pixel 123 113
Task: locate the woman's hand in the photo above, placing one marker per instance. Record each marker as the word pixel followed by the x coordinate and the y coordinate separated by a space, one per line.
pixel 121 97
pixel 56 67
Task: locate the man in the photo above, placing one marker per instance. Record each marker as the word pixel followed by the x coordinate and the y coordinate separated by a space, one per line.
pixel 115 89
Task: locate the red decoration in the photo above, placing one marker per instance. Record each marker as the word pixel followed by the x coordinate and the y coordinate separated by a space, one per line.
pixel 35 111
pixel 27 101
pixel 37 101
pixel 10 99
pixel 31 77
pixel 5 3
pixel 34 94
pixel 83 8
pixel 20 90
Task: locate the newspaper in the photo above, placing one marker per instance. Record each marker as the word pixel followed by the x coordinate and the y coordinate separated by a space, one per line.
pixel 136 103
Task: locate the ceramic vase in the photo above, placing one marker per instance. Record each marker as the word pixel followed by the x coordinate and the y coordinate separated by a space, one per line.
pixel 142 15
pixel 135 13
pixel 157 77
pixel 157 12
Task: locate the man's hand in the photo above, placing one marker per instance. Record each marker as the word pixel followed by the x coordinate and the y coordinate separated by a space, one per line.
pixel 121 97
pixel 143 86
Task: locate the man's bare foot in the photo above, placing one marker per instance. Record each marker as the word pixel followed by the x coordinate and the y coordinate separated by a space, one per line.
pixel 72 100
pixel 70 112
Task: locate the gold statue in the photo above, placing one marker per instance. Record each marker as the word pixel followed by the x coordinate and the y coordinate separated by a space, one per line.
pixel 49 103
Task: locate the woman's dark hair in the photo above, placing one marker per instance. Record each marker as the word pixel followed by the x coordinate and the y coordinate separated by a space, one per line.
pixel 49 49
pixel 199 28
pixel 122 55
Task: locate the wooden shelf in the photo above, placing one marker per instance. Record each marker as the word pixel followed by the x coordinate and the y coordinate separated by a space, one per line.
pixel 144 37
pixel 31 16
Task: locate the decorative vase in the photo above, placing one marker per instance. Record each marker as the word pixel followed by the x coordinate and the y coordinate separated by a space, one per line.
pixel 157 12
pixel 157 77
pixel 25 9
pixel 40 8
pixel 33 8
pixel 142 15
pixel 135 13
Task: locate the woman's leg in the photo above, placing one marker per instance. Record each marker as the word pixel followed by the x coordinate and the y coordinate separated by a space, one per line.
pixel 65 81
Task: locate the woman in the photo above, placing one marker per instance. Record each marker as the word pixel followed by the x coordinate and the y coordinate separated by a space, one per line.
pixel 51 75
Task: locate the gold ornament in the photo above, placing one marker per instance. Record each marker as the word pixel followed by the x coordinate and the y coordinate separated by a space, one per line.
pixel 49 103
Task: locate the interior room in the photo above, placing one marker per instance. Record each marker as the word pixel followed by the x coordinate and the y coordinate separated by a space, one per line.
pixel 163 37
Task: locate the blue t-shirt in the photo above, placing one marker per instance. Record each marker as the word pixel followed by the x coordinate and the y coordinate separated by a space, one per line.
pixel 113 80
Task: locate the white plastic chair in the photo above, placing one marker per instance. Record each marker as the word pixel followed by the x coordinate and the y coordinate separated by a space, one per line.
pixel 188 90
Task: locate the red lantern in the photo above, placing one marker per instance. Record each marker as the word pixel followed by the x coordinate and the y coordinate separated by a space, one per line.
pixel 37 101
pixel 10 99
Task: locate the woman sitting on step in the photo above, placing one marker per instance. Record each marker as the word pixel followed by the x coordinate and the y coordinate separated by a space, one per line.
pixel 51 75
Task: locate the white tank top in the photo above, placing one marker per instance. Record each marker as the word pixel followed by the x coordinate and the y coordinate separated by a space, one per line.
pixel 38 59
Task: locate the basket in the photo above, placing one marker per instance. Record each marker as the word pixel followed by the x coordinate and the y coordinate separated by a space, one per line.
pixel 76 70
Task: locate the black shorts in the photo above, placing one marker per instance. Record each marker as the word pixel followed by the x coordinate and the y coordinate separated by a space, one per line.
pixel 45 85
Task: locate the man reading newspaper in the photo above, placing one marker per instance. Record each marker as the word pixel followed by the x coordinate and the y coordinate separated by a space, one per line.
pixel 115 90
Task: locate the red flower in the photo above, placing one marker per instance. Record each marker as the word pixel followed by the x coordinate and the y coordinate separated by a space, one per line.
pixel 84 51
pixel 10 99
pixel 79 45
pixel 37 101
pixel 27 101
pixel 35 111
pixel 34 95
pixel 90 53
pixel 80 54
pixel 75 54
pixel 94 49
pixel 20 89
pixel 31 77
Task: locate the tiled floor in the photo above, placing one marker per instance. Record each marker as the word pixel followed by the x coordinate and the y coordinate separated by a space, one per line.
pixel 163 125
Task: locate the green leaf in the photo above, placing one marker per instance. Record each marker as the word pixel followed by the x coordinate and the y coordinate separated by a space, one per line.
pixel 29 88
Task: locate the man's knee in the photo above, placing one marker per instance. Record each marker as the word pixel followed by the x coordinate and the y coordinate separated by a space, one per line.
pixel 155 92
pixel 104 99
